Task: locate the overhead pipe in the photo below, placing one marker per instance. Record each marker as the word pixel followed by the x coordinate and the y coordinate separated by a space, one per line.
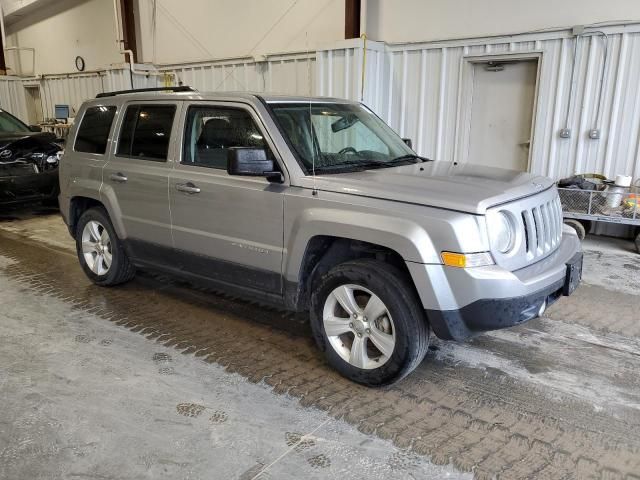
pixel 29 49
pixel 3 42
pixel 127 52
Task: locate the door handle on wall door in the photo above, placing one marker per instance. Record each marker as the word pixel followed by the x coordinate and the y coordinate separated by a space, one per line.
pixel 187 187
pixel 118 177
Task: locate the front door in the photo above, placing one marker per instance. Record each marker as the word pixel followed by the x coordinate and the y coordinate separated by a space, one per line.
pixel 502 113
pixel 228 228
pixel 138 173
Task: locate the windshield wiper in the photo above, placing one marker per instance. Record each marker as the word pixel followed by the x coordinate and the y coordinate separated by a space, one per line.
pixel 365 164
pixel 350 165
pixel 409 156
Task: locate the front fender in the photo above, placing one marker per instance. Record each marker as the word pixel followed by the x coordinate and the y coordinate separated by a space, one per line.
pixel 404 236
pixel 418 234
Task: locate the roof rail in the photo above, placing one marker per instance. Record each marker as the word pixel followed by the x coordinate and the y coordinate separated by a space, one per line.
pixel 144 90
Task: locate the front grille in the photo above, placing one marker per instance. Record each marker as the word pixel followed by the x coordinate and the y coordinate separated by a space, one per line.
pixel 17 169
pixel 543 228
pixel 538 220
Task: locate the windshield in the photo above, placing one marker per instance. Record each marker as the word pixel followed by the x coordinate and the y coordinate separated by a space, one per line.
pixel 337 137
pixel 9 123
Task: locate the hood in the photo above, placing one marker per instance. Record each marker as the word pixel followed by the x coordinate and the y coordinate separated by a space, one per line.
pixel 468 188
pixel 7 138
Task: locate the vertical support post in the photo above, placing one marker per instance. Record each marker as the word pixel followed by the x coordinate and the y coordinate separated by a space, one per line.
pixel 128 28
pixel 3 63
pixel 352 18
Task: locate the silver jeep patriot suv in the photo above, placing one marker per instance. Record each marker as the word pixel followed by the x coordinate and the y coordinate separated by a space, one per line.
pixel 313 204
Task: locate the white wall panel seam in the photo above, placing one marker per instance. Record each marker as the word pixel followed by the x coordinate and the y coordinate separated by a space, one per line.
pixel 615 106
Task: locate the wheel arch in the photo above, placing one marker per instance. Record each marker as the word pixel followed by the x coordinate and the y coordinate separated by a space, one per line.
pixel 80 204
pixel 324 252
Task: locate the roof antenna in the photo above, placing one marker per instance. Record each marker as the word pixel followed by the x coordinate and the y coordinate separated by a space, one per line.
pixel 314 191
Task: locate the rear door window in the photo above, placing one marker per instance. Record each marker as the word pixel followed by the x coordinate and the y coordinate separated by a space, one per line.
pixel 93 133
pixel 146 132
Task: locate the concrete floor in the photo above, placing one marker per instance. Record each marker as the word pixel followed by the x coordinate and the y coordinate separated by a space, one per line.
pixel 159 380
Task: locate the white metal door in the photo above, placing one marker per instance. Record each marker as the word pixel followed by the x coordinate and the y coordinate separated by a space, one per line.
pixel 502 114
pixel 34 105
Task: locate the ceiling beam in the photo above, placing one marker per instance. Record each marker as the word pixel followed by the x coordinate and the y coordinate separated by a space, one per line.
pixel 15 10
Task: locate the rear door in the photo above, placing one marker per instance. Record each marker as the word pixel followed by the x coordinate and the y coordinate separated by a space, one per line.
pixel 137 175
pixel 229 228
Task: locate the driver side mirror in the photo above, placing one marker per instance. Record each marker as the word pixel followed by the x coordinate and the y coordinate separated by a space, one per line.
pixel 408 142
pixel 35 128
pixel 252 162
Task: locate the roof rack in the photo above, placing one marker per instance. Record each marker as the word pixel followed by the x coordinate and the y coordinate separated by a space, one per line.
pixel 144 90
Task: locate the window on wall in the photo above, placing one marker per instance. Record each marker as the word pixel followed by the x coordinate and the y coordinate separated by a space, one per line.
pixel 93 133
pixel 146 132
pixel 211 131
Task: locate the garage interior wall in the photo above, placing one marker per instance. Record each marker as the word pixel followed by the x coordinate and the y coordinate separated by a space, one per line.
pixel 59 32
pixel 401 21
pixel 171 33
pixel 421 88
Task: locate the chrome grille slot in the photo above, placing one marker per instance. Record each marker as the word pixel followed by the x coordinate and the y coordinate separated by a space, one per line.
pixel 542 228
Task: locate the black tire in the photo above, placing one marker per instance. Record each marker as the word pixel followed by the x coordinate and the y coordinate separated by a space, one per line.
pixel 577 226
pixel 121 269
pixel 409 320
pixel 586 224
pixel 638 242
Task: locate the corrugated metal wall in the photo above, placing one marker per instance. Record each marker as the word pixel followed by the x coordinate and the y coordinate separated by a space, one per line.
pixel 69 90
pixel 287 73
pixel 422 91
pixel 72 89
pixel 12 97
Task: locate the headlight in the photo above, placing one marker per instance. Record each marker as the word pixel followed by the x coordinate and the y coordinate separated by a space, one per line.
pixel 502 232
pixel 52 159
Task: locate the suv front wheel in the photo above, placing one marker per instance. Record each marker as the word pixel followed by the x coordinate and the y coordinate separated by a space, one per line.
pixel 100 251
pixel 367 319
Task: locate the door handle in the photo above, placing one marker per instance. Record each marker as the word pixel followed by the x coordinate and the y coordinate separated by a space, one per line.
pixel 187 188
pixel 118 177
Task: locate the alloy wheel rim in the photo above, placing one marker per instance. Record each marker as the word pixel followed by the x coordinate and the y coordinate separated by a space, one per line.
pixel 359 326
pixel 96 248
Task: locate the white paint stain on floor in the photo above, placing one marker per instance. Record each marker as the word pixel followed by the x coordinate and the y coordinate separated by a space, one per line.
pixel 559 359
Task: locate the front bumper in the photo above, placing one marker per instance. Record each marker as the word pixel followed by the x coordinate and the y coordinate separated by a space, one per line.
pixel 460 303
pixel 29 188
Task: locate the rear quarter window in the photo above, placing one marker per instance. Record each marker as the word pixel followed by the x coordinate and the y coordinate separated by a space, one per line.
pixel 93 133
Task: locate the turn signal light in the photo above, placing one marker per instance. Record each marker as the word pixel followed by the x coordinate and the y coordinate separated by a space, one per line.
pixel 466 260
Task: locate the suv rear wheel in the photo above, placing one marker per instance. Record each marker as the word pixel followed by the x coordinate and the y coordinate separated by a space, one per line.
pixel 100 251
pixel 367 319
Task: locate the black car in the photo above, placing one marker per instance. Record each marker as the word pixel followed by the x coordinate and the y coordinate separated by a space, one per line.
pixel 28 163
